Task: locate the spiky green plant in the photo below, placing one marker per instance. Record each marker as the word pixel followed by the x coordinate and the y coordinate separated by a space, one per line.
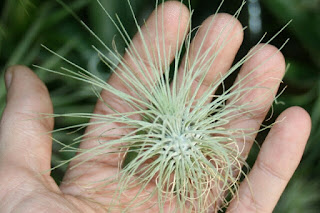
pixel 169 136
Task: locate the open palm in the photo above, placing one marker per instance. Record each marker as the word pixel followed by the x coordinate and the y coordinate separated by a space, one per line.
pixel 25 152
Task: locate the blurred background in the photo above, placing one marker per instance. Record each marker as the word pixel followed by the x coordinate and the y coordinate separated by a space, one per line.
pixel 26 24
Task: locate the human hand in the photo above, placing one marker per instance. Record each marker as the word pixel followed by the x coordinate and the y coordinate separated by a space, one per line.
pixel 25 152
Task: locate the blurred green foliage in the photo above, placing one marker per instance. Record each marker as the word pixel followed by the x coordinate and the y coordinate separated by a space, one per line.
pixel 25 24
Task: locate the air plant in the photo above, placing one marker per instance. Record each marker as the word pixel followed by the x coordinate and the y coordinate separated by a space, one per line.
pixel 169 136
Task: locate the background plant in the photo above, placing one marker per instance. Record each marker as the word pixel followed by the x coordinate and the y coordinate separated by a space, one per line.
pixel 25 24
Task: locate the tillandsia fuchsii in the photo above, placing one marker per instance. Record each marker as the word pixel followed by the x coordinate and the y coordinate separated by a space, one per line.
pixel 169 136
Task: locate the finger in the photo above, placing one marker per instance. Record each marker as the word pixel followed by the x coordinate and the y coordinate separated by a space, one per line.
pixel 174 18
pixel 152 48
pixel 24 141
pixel 258 82
pixel 279 157
pixel 161 36
pixel 212 52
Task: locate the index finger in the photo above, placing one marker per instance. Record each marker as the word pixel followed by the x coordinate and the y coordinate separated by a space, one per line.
pixel 153 48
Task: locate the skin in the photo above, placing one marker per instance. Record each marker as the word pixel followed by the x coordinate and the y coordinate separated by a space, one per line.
pixel 25 152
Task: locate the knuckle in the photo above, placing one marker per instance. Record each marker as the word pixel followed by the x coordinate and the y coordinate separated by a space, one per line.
pixel 270 171
pixel 248 203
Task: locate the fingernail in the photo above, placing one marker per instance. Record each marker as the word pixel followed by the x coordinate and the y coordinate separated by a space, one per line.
pixel 8 77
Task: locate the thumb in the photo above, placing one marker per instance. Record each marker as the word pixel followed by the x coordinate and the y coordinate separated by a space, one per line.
pixel 23 139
